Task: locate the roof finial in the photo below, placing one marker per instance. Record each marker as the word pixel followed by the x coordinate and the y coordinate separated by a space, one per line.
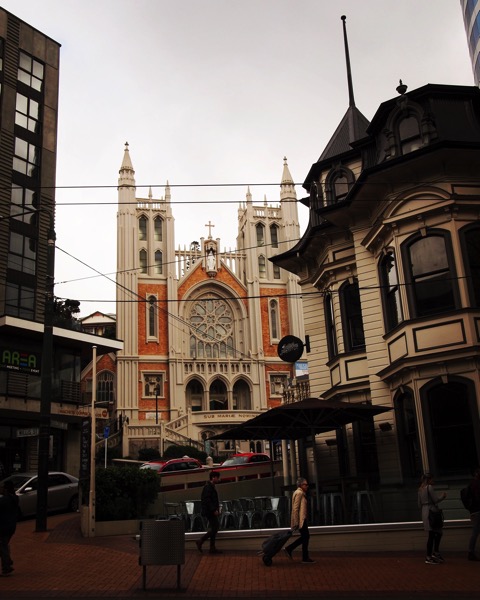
pixel 351 99
pixel 402 88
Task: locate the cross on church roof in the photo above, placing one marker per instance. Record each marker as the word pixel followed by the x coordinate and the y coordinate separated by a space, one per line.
pixel 209 225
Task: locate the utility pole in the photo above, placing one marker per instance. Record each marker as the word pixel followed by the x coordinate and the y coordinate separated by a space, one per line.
pixel 46 386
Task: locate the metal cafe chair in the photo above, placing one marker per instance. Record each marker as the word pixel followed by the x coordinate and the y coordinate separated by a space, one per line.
pixel 242 513
pixel 275 511
pixel 194 519
pixel 227 515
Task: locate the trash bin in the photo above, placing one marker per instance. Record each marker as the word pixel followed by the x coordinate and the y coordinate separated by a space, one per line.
pixel 162 543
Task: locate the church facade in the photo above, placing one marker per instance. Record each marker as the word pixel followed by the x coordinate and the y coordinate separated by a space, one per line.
pixel 201 326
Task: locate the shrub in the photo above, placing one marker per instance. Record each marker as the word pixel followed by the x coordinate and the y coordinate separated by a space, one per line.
pixel 124 492
pixel 147 454
pixel 180 451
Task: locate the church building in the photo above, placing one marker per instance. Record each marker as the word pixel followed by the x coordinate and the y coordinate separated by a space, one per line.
pixel 201 325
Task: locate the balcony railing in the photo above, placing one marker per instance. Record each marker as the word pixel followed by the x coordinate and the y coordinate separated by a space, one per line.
pixel 299 391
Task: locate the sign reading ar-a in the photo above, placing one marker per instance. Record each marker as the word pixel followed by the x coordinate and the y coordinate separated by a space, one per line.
pixel 290 348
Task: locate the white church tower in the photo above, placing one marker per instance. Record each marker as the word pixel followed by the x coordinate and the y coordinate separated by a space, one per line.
pixel 201 325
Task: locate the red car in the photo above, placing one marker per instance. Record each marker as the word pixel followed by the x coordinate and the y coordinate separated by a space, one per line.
pixel 246 458
pixel 175 465
pixel 236 468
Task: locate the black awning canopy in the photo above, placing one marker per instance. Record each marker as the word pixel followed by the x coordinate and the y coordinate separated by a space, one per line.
pixel 298 420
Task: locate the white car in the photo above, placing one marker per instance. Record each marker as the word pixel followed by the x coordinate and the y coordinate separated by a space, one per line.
pixel 62 492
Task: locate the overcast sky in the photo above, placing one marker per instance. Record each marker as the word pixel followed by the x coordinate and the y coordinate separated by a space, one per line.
pixel 215 92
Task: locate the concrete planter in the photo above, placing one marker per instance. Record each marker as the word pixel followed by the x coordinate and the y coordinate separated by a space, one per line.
pixel 128 527
pixel 105 528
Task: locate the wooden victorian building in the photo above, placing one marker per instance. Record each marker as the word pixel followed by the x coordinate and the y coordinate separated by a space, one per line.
pixel 392 251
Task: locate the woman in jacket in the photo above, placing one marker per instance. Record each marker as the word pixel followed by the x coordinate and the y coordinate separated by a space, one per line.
pixel 429 499
pixel 474 514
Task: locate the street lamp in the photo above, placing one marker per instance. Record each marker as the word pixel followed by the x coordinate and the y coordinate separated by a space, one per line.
pixel 93 441
pixel 157 391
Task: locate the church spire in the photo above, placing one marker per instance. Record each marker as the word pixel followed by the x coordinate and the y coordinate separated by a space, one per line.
pixel 168 195
pixel 287 186
pixel 351 99
pixel 127 173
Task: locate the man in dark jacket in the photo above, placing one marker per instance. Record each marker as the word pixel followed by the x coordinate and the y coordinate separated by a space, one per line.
pixel 210 510
pixel 8 524
pixel 474 514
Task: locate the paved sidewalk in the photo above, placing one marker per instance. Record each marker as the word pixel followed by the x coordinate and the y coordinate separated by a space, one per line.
pixel 60 563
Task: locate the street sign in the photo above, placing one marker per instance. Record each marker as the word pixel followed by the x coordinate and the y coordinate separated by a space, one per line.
pixel 106 432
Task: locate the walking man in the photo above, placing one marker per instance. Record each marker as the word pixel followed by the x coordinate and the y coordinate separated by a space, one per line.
pixel 299 521
pixel 210 510
pixel 8 524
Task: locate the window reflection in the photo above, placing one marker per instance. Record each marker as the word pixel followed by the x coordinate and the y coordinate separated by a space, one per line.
pixel 432 287
pixel 390 291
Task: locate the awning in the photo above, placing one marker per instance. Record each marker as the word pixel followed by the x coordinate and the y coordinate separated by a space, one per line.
pixel 298 420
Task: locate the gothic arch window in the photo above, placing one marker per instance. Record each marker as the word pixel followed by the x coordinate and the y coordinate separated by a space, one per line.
pixel 143 261
pixel 218 395
pixel 330 326
pixel 274 236
pixel 158 262
pixel 262 267
pixel 260 229
pixel 274 320
pixel 390 290
pixel 212 328
pixel 152 318
pixel 338 184
pixel 470 238
pixel 241 396
pixel 158 229
pixel 105 387
pixel 142 228
pixel 194 395
pixel 451 425
pixel 430 274
pixel 409 136
pixel 352 322
pixel 276 272
pixel 407 435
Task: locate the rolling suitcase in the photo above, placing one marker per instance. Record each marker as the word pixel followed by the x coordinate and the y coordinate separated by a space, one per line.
pixel 273 545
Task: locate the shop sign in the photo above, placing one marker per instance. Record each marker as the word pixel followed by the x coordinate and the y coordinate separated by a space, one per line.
pixel 19 360
pixel 290 348
pixel 27 432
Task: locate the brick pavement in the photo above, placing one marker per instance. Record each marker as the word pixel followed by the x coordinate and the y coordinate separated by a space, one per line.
pixel 60 563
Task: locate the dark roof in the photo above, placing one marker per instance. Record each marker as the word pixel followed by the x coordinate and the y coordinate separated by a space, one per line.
pixel 352 127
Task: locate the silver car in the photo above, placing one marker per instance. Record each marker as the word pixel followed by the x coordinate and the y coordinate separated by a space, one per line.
pixel 62 492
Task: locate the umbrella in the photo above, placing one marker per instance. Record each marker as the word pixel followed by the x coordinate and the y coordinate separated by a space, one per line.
pixel 299 420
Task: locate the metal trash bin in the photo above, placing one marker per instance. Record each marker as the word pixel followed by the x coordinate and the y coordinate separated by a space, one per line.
pixel 162 543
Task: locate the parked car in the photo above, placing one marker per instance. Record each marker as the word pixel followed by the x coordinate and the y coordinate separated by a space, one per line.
pixel 62 492
pixel 246 458
pixel 174 465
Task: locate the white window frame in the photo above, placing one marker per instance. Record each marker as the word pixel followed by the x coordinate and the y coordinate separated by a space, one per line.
pixel 153 378
pixel 283 380
pixel 151 304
